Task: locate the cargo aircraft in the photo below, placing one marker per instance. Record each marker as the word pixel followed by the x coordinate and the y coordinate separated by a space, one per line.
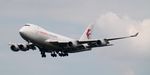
pixel 58 45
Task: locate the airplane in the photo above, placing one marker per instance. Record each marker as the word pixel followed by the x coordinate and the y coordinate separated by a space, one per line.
pixel 58 45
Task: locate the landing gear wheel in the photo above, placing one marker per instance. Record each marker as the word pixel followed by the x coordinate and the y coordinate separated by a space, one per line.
pixel 66 54
pixel 62 54
pixel 53 54
pixel 43 54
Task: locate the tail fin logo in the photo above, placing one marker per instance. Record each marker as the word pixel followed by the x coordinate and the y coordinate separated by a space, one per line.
pixel 88 33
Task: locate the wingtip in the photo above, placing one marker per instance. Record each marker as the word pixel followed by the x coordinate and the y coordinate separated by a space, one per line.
pixel 135 34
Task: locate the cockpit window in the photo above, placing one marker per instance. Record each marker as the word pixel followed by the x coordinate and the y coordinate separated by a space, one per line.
pixel 26 25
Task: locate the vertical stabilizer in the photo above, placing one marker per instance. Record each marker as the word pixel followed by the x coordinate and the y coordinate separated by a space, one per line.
pixel 87 33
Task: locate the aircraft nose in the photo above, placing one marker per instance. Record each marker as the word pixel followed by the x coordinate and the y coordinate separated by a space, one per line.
pixel 22 31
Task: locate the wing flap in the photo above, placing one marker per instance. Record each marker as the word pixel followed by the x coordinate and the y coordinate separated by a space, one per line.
pixel 59 43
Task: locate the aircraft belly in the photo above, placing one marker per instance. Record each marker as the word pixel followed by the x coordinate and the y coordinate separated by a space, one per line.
pixel 78 50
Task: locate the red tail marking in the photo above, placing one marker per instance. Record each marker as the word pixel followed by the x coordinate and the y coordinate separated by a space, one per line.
pixel 88 33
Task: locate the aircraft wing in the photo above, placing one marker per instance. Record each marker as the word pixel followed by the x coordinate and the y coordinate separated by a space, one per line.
pixel 91 42
pixel 83 45
pixel 122 37
pixel 104 42
pixel 59 43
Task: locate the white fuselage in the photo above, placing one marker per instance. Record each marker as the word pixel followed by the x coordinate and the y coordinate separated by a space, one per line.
pixel 40 36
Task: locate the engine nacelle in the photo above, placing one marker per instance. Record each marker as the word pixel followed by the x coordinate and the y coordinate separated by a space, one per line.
pixel 23 47
pixel 105 42
pixel 99 43
pixel 14 48
pixel 95 44
pixel 86 46
pixel 73 44
pixel 31 46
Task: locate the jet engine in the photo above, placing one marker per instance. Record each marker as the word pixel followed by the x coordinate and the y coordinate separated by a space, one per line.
pixel 14 47
pixel 105 42
pixel 23 47
pixel 99 43
pixel 31 46
pixel 95 44
pixel 73 44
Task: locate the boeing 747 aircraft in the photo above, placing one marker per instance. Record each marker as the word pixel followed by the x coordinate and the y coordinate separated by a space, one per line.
pixel 58 45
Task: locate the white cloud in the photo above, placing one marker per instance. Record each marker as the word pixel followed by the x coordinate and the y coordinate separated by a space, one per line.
pixel 143 40
pixel 113 25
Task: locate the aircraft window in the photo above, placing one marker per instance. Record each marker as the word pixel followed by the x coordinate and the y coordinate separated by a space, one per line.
pixel 26 25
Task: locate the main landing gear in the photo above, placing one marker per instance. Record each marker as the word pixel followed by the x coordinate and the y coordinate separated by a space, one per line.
pixel 43 54
pixel 61 54
pixel 55 54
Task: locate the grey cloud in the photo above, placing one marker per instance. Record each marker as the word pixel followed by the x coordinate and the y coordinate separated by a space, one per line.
pixel 85 10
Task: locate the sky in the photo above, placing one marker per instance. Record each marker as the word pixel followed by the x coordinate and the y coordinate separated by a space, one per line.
pixel 112 18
